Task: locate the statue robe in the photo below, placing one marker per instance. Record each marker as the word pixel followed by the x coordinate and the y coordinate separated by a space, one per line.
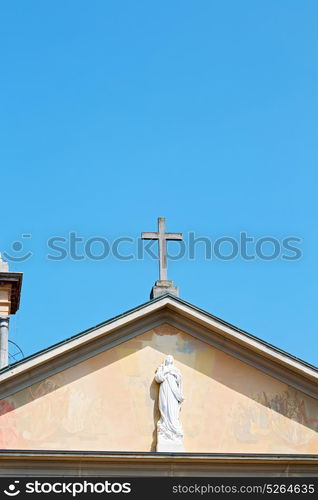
pixel 170 399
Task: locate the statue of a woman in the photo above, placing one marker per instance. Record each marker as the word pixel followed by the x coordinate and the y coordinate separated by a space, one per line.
pixel 169 430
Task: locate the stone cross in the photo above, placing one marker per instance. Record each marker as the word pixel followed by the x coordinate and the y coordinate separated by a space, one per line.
pixel 162 238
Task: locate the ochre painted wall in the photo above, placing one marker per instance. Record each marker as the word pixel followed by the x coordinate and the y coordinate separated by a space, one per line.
pixel 109 402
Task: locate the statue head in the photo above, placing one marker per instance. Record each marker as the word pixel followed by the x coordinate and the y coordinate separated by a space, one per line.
pixel 168 360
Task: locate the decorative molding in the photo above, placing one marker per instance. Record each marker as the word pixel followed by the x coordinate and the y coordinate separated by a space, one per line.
pixel 246 355
pixel 166 310
pixel 44 463
pixel 37 373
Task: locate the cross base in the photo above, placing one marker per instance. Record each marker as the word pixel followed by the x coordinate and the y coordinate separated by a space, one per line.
pixel 162 287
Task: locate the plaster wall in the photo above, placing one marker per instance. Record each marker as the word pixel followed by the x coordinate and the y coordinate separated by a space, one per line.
pixel 109 402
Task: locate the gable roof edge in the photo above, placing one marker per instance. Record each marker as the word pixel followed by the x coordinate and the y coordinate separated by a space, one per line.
pixel 179 305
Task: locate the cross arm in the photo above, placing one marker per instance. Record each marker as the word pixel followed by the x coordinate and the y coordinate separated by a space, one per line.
pixel 173 236
pixel 149 236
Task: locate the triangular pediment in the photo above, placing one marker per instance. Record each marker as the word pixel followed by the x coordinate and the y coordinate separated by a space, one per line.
pixel 179 313
pixel 96 390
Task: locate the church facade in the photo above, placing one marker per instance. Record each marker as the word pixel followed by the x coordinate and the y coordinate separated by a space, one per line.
pixel 90 404
pixel 161 390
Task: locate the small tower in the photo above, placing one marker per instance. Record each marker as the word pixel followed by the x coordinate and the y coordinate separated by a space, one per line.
pixel 10 291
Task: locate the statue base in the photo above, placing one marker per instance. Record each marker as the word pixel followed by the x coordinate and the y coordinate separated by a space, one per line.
pixel 167 445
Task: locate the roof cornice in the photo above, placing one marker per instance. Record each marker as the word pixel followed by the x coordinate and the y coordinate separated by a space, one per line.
pixel 151 308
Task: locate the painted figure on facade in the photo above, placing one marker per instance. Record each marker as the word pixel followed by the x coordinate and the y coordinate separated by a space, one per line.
pixel 169 430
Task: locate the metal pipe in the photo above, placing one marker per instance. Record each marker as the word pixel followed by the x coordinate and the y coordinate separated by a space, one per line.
pixel 4 337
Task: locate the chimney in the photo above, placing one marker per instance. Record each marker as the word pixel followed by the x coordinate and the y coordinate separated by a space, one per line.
pixel 10 291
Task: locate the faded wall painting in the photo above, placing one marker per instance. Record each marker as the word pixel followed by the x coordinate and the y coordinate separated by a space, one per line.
pixel 110 402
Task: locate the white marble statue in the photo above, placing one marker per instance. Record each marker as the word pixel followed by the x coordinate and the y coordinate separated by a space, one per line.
pixel 169 430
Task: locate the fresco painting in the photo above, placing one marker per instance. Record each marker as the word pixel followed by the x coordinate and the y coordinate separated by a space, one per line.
pixel 110 402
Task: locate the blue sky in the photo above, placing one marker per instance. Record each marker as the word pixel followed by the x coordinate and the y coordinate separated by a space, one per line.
pixel 115 113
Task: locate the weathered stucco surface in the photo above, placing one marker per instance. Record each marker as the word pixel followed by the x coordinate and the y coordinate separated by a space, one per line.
pixel 109 402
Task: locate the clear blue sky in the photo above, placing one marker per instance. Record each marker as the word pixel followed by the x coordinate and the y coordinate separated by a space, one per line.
pixel 115 113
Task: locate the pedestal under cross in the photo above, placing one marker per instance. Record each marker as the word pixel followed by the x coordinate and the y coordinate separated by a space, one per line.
pixel 162 237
